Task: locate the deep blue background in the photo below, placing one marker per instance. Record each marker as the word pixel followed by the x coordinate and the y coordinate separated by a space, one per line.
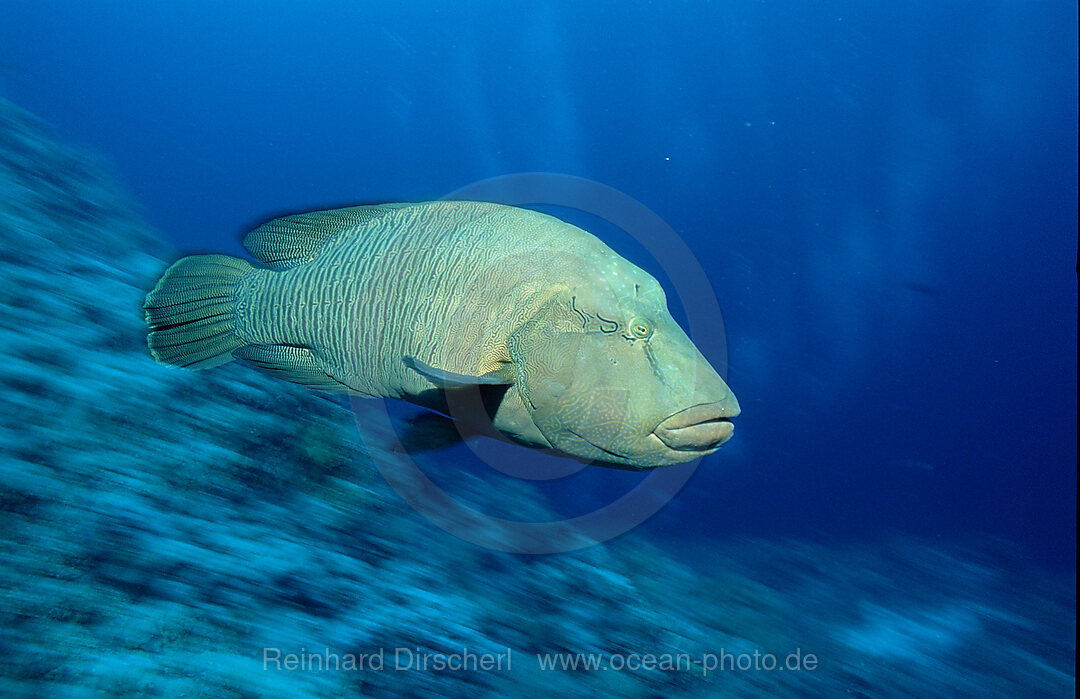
pixel 883 194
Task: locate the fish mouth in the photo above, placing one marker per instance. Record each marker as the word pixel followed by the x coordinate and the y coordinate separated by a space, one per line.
pixel 702 427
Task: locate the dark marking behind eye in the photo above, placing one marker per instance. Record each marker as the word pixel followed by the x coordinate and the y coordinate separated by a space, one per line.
pixel 607 326
pixel 652 362
pixel 581 314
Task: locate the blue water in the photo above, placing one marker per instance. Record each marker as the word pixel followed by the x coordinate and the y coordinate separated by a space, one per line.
pixel 883 196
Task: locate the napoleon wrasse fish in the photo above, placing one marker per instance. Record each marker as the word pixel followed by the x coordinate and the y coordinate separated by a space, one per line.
pixel 571 346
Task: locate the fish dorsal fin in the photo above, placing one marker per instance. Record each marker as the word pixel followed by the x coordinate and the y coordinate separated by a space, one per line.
pixel 294 240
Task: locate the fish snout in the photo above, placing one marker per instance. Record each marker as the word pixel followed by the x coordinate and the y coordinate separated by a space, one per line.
pixel 703 427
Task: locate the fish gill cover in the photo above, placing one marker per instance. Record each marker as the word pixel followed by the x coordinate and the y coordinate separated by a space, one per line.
pixel 221 534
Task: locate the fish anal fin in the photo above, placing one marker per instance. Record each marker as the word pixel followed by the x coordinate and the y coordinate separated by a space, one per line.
pixel 295 364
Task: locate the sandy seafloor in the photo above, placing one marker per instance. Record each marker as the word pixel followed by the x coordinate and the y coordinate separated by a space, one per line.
pixel 161 528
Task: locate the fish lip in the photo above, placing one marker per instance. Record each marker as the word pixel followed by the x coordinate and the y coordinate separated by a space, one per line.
pixel 702 427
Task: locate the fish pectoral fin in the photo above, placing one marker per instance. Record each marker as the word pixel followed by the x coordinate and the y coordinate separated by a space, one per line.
pixel 448 379
pixel 295 364
pixel 290 241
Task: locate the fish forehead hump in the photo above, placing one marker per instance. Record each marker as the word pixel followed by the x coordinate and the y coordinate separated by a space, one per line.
pixel 523 257
pixel 492 250
pixel 502 246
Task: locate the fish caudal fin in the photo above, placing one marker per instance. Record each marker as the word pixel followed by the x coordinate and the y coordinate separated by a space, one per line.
pixel 192 311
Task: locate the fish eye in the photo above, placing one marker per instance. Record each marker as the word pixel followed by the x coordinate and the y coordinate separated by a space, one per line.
pixel 640 328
